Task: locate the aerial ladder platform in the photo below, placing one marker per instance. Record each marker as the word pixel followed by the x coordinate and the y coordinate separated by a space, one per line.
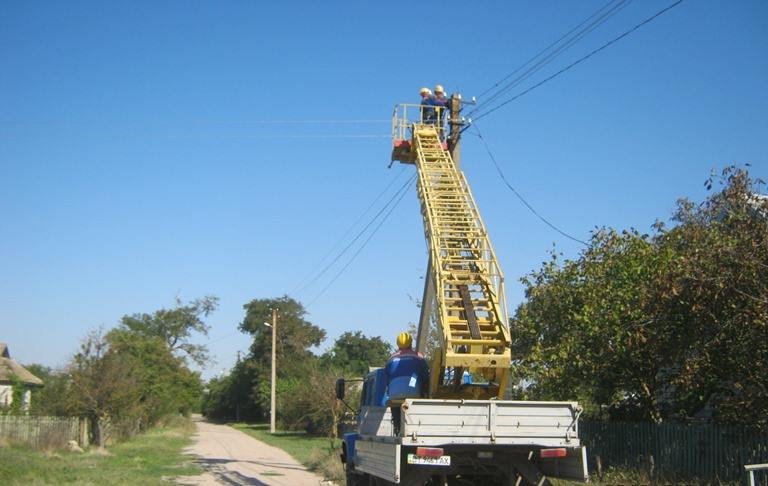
pixel 462 431
pixel 464 286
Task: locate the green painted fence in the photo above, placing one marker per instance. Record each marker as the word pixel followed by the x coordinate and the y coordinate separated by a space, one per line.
pixel 688 451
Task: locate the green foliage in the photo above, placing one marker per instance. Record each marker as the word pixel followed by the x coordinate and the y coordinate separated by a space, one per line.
pixel 17 397
pixel 104 385
pixel 232 396
pixel 355 353
pixel 167 385
pixel 305 383
pixel 295 334
pixel 295 338
pixel 308 402
pixel 175 326
pixel 672 325
pixel 48 400
pixel 130 378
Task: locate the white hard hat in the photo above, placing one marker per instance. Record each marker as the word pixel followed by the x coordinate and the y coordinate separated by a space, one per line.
pixel 439 89
pixel 425 90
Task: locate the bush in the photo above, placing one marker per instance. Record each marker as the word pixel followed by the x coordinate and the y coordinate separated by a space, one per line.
pixel 327 462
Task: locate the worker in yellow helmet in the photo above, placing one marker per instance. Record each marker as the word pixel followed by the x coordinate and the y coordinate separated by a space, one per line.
pixel 407 376
pixel 404 341
pixel 409 364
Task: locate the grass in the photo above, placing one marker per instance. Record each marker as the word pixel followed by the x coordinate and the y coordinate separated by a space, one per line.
pixel 145 459
pixel 318 454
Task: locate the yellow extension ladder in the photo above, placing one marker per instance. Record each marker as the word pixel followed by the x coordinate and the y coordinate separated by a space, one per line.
pixel 469 285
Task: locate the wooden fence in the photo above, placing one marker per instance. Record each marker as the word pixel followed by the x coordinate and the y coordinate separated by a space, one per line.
pixel 687 451
pixel 43 432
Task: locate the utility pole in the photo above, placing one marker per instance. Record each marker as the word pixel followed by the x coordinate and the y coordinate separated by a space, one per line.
pixel 272 409
pixel 454 108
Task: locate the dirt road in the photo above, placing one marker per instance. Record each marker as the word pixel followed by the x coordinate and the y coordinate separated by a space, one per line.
pixel 231 457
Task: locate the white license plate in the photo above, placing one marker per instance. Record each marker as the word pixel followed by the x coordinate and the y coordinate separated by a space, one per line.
pixel 429 461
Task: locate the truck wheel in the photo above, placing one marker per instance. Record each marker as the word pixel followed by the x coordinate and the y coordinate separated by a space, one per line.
pixel 356 479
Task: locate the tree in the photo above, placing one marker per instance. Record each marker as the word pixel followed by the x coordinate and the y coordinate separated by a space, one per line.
pixel 176 326
pixel 105 387
pixel 124 381
pixel 295 338
pixel 49 399
pixel 355 352
pixel 671 325
pixel 231 396
pixel 167 386
pixel 311 403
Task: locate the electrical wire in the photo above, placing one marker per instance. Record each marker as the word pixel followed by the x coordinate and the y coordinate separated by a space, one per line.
pixel 581 31
pixel 580 60
pixel 370 236
pixel 304 281
pixel 207 136
pixel 210 122
pixel 519 196
pixel 389 203
pixel 541 52
pixel 85 129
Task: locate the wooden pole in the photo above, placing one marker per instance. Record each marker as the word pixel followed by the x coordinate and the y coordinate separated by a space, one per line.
pixel 454 107
pixel 272 409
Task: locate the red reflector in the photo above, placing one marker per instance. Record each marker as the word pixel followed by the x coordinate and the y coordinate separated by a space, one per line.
pixel 560 452
pixel 430 451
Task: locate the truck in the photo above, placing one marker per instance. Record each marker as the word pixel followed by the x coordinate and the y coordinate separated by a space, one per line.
pixel 461 429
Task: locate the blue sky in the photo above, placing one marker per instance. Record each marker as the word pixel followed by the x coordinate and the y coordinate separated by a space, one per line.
pixel 141 156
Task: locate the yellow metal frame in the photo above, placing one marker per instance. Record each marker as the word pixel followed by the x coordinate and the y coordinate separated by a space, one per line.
pixel 470 296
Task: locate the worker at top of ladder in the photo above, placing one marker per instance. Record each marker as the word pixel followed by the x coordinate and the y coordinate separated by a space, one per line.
pixel 427 109
pixel 437 105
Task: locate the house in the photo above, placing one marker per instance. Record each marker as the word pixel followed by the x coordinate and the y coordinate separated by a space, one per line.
pixel 10 372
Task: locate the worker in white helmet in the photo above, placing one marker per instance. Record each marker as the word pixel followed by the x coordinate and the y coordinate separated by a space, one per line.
pixel 427 111
pixel 440 102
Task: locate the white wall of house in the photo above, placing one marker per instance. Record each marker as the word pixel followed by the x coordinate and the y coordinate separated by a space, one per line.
pixel 6 395
pixel 26 400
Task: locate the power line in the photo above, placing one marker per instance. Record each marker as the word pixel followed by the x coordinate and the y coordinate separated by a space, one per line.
pixel 584 58
pixel 303 283
pixel 583 31
pixel 188 136
pixel 209 122
pixel 520 197
pixel 383 220
pixel 287 136
pixel 399 192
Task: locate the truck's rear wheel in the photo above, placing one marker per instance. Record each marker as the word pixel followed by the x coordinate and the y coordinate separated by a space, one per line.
pixel 357 479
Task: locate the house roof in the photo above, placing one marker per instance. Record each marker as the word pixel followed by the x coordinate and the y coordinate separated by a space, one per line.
pixel 9 368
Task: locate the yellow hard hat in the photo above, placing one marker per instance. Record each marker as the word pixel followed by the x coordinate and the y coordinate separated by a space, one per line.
pixel 425 90
pixel 439 89
pixel 404 340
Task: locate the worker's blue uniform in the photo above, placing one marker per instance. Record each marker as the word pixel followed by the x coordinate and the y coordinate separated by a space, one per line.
pixel 427 110
pixel 407 375
pixel 440 107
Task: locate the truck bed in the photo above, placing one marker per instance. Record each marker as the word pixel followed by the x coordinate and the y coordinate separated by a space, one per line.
pixel 514 431
pixel 493 422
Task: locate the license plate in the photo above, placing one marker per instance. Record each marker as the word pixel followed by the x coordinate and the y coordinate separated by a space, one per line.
pixel 429 461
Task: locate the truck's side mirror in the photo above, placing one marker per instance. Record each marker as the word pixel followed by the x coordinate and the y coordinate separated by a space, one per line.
pixel 340 384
